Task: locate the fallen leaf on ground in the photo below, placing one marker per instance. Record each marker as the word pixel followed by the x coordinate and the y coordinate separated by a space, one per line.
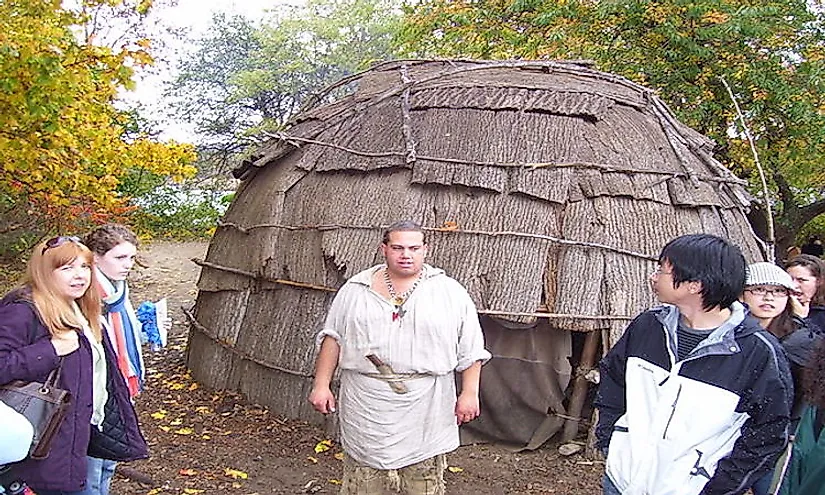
pixel 455 469
pixel 323 446
pixel 234 473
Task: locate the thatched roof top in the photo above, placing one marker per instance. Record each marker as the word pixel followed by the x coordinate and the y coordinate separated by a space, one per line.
pixel 546 186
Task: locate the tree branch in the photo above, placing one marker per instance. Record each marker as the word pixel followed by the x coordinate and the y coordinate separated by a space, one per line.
pixel 785 193
pixel 808 212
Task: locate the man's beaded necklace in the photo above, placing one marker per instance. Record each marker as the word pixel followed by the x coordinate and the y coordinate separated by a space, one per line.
pixel 399 300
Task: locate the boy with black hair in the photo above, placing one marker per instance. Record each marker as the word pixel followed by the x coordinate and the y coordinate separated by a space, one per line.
pixel 694 398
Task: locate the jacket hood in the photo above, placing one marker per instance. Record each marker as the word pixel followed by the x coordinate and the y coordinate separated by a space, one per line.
pixel 20 294
pixel 723 339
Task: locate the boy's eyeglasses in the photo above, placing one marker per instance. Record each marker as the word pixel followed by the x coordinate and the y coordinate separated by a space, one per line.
pixel 59 241
pixel 762 291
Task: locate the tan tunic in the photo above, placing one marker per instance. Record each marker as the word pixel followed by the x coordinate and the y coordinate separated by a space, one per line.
pixel 438 334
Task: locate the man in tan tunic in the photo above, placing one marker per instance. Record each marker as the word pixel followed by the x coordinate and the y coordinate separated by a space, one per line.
pixel 398 332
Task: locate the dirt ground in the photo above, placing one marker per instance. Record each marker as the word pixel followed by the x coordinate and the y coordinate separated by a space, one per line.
pixel 209 441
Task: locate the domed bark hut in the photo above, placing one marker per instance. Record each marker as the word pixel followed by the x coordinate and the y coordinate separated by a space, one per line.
pixel 546 188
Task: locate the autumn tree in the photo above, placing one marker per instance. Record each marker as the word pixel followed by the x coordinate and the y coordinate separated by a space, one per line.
pixel 770 52
pixel 63 148
pixel 245 77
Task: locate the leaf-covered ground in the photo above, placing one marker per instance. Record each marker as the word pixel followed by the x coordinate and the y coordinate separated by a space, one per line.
pixel 209 441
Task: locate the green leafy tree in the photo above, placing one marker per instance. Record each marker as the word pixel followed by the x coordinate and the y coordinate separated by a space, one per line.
pixel 771 52
pixel 246 77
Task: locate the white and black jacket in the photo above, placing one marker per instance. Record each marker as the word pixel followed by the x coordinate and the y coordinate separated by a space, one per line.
pixel 711 424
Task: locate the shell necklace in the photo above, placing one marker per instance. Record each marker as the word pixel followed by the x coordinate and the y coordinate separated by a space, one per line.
pixel 396 299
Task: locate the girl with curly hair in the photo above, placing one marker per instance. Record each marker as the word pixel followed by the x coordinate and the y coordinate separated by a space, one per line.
pixel 114 247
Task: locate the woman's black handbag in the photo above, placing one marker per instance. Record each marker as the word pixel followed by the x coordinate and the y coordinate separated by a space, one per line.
pixel 43 404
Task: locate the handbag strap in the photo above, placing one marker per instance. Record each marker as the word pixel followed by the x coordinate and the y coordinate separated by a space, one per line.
pixel 54 375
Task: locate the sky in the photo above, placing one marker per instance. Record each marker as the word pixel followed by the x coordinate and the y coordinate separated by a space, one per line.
pixel 196 14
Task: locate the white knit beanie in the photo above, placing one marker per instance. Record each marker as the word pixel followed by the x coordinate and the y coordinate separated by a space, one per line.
pixel 764 273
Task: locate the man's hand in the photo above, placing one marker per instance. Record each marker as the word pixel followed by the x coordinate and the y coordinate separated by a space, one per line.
pixel 322 400
pixel 467 407
pixel 321 396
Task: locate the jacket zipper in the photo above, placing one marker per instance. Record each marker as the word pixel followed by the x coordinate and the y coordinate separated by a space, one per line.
pixel 672 412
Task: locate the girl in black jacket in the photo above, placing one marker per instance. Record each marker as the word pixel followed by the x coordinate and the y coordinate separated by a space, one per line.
pixel 768 293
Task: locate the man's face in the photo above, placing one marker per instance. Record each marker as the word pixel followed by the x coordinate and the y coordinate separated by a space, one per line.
pixel 405 253
pixel 662 282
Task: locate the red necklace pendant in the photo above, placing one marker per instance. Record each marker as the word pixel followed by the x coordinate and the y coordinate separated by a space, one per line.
pixel 398 313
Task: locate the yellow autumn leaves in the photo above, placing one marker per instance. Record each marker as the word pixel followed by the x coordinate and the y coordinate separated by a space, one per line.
pixel 63 143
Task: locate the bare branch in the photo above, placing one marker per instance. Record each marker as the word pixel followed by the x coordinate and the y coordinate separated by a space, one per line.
pixel 771 240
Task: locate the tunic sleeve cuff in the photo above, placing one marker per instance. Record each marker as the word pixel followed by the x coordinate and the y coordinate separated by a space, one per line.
pixel 326 333
pixel 468 361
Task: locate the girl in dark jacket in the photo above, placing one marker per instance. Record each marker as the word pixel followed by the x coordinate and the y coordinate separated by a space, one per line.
pixel 769 292
pixel 114 247
pixel 54 320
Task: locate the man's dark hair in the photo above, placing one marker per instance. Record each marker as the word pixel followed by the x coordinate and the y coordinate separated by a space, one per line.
pixel 711 260
pixel 403 226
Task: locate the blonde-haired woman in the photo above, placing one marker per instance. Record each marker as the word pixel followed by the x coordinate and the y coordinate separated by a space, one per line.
pixel 54 320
